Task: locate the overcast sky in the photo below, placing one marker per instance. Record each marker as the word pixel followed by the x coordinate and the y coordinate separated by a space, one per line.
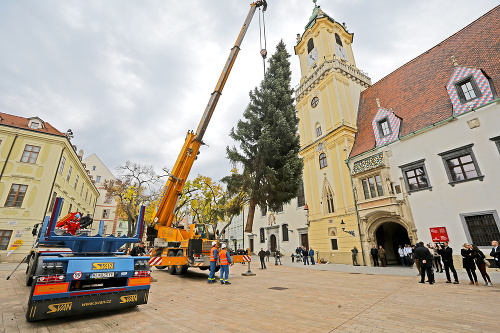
pixel 130 78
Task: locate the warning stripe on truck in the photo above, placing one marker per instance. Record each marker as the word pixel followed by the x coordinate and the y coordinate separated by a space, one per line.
pixel 155 261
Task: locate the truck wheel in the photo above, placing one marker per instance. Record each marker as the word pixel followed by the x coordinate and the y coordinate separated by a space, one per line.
pixel 180 269
pixel 171 269
pixel 161 267
pixel 32 266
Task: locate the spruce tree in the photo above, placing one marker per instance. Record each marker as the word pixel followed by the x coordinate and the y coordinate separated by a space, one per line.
pixel 268 141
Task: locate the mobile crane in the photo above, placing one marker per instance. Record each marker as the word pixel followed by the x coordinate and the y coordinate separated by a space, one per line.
pixel 176 248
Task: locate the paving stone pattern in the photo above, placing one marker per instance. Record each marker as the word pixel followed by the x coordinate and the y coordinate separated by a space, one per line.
pixel 316 300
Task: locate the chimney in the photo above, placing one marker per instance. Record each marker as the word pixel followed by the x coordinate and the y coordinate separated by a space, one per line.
pixel 80 154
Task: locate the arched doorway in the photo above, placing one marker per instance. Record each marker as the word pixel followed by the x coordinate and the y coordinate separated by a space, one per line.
pixel 273 243
pixel 390 235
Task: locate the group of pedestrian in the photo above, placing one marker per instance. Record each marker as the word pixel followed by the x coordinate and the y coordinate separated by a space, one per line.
pixel 224 259
pixel 378 255
pixel 406 255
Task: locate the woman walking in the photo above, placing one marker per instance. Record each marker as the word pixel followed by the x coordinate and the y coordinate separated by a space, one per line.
pixel 468 263
pixel 481 264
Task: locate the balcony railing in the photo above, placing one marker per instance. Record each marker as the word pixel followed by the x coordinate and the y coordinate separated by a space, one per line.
pixel 338 65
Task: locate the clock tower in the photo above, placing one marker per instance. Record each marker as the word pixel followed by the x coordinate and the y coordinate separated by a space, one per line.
pixel 327 102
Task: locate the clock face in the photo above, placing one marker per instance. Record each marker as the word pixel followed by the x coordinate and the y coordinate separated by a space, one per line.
pixel 341 52
pixel 312 57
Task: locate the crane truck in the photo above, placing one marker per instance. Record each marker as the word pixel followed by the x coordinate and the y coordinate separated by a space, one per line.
pixel 74 274
pixel 176 248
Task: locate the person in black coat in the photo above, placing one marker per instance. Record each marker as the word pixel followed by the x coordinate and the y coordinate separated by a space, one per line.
pixel 425 258
pixel 469 264
pixel 495 252
pixel 374 254
pixel 446 253
pixel 138 250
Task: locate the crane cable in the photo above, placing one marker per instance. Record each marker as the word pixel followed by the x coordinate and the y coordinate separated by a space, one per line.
pixel 262 30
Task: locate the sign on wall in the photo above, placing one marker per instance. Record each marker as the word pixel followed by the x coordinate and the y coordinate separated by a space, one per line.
pixel 439 234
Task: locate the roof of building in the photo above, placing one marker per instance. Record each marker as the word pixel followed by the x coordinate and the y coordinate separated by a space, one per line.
pixel 20 122
pixel 416 91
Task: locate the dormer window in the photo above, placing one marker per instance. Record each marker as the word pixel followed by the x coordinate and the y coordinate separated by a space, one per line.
pixel 34 125
pixel 467 89
pixel 384 127
pixel 338 40
pixel 310 45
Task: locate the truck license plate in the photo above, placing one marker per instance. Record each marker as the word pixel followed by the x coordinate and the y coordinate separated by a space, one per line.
pixel 102 275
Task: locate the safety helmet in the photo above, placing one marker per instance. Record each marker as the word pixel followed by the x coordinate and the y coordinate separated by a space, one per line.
pixel 214 243
pixel 223 246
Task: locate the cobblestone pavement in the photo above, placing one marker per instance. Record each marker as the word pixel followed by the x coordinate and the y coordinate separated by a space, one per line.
pixel 315 300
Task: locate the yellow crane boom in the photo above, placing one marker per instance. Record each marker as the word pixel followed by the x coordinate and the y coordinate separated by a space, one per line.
pixel 165 210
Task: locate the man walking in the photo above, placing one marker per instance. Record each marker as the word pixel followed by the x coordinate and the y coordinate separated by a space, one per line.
pixel 262 256
pixel 355 256
pixel 268 253
pixel 225 261
pixel 446 253
pixel 306 255
pixel 213 262
pixel 495 252
pixel 425 258
pixel 408 253
pixel 381 256
pixel 374 254
pixel 311 255
pixel 277 256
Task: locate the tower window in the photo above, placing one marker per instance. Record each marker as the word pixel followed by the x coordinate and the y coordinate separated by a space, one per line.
pixel 322 161
pixel 467 89
pixel 329 201
pixel 338 40
pixel 318 131
pixel 384 127
pixel 310 45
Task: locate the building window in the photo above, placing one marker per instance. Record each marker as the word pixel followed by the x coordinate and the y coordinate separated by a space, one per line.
pixel 461 165
pixel 105 213
pixel 318 131
pixel 372 187
pixel 81 190
pixel 61 166
pixel 86 195
pixel 415 176
pixel 310 45
pixel 280 209
pixel 30 154
pixel 384 127
pixel 98 179
pixel 263 211
pixel 107 199
pixel 70 208
pixel 497 142
pixel 52 201
pixel 76 181
pixel 284 229
pixel 93 168
pixel 301 198
pixel 335 245
pixel 5 239
pixel 481 228
pixel 16 195
pixel 322 161
pixel 69 173
pixel 338 40
pixel 315 102
pixel 467 89
pixel 262 237
pixel 90 201
pixel 34 125
pixel 329 200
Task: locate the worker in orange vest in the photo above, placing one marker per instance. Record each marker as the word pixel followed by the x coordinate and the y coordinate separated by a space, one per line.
pixel 225 261
pixel 214 256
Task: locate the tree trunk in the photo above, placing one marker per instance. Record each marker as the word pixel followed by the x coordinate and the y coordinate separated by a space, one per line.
pixel 251 213
pixel 225 227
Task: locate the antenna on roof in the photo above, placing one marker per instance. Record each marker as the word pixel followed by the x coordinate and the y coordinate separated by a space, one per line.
pixel 454 61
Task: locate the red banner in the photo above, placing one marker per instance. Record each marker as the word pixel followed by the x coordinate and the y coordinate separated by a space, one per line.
pixel 439 234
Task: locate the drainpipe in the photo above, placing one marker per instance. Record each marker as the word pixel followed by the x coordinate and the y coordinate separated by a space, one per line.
pixel 8 155
pixel 357 213
pixel 53 182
